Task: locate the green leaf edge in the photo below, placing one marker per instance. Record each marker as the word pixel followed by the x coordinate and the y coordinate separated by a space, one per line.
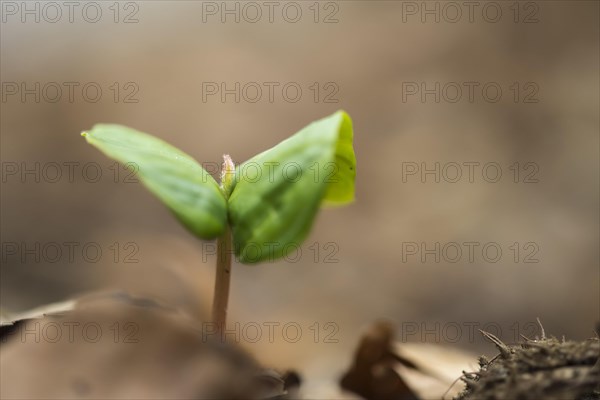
pixel 343 152
pixel 216 223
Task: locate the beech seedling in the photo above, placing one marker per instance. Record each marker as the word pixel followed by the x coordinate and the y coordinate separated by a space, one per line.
pixel 262 209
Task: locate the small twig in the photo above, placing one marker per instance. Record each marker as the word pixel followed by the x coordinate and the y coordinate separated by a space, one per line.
pixel 542 328
pixel 525 337
pixel 451 386
pixel 504 350
pixel 464 375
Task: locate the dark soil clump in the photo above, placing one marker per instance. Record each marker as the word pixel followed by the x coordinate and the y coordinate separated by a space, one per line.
pixel 545 368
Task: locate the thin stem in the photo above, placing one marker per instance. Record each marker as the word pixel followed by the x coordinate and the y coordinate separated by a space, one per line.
pixel 223 277
pixel 223 274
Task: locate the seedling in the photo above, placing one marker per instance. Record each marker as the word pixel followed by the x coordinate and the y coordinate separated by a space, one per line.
pixel 263 208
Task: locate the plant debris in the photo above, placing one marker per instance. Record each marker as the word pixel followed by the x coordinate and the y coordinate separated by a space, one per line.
pixel 115 346
pixel 541 368
pixel 373 374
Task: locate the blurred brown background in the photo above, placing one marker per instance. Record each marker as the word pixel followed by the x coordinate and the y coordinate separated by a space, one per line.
pixel 366 62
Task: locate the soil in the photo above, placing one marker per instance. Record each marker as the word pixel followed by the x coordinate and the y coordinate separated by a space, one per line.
pixel 545 368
